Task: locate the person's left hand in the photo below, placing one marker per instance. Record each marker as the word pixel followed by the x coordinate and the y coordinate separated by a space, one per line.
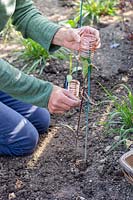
pixel 72 38
pixel 90 34
pixel 67 37
pixel 62 100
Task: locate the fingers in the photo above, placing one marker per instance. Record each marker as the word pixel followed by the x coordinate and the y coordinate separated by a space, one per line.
pixel 75 36
pixel 72 39
pixel 71 100
pixel 94 32
pixel 61 100
pixel 87 30
pixel 59 109
pixel 72 45
pixel 56 108
pixel 98 44
pixel 90 39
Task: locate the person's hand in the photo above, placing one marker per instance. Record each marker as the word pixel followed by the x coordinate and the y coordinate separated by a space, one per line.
pixel 90 33
pixel 68 38
pixel 72 38
pixel 62 100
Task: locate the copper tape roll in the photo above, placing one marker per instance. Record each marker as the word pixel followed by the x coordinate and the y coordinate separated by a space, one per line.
pixel 74 87
pixel 88 46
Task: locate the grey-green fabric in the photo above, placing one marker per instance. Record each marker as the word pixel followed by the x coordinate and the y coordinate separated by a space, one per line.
pixel 32 24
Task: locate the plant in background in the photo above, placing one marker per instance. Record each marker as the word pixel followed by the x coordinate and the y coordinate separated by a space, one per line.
pixel 72 22
pixel 93 9
pixel 38 56
pixel 8 32
pixel 120 119
pixel 124 6
pixel 34 53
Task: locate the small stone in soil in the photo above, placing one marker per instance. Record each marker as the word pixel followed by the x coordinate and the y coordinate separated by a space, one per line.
pixel 81 165
pixel 102 161
pixel 117 138
pixel 107 148
pixel 80 198
pixel 100 169
pixel 11 196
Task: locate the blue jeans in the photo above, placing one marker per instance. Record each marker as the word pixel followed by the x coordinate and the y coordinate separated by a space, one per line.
pixel 20 126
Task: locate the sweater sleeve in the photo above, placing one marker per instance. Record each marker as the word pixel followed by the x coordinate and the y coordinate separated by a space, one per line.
pixel 32 24
pixel 24 87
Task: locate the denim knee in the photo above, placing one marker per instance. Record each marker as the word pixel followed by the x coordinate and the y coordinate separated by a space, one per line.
pixel 41 120
pixel 25 141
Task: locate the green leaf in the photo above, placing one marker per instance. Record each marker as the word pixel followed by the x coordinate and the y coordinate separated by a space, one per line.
pixel 75 69
pixel 69 78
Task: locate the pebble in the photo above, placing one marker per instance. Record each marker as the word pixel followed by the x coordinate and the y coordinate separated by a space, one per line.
pixel 100 169
pixel 102 161
pixel 117 138
pixel 80 198
pixel 11 196
pixel 107 148
pixel 129 143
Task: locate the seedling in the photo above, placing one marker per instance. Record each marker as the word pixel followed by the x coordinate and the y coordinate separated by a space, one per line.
pixel 37 56
pixel 85 58
pixel 122 115
pixel 93 10
pixel 122 5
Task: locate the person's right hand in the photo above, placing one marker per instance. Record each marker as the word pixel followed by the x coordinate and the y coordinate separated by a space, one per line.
pixel 62 100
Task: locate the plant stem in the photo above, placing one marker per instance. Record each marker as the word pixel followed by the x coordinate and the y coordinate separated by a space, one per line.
pixel 81 105
pixel 70 67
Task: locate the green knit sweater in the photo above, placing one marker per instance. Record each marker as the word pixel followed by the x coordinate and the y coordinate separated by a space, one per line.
pixel 32 24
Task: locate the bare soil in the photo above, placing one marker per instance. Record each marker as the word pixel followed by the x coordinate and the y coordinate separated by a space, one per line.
pixel 56 170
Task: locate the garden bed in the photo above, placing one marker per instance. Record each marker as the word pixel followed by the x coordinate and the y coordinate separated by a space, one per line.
pixel 54 171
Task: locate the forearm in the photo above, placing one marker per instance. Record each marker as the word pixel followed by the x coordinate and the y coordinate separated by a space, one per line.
pixel 23 87
pixel 32 24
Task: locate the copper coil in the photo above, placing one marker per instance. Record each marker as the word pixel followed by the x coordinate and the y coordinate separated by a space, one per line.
pixel 87 54
pixel 74 87
pixel 89 44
